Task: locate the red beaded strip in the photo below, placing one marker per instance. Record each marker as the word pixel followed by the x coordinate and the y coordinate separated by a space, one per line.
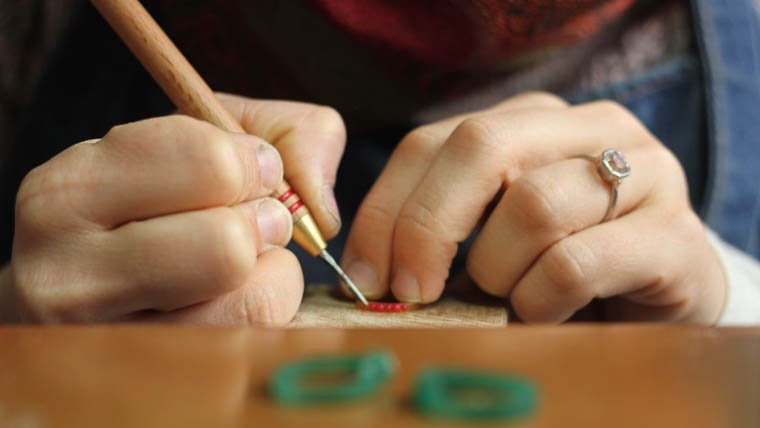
pixel 295 205
pixel 285 196
pixel 384 307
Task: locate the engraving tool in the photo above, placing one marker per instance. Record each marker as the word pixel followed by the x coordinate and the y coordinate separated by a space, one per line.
pixel 190 93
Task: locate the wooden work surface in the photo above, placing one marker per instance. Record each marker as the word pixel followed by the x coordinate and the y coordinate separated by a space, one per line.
pixel 163 376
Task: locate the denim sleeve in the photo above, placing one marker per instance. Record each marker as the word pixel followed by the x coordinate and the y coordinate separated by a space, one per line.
pixel 729 36
pixel 669 100
pixel 705 109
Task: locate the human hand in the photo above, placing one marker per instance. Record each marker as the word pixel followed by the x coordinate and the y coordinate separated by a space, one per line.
pixel 168 219
pixel 511 171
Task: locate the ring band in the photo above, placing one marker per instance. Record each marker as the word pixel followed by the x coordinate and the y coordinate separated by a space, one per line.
pixel 612 167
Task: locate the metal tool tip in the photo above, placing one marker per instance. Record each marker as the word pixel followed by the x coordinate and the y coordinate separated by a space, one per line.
pixel 350 284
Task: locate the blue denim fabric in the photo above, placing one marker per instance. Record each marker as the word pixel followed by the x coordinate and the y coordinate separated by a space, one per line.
pixel 729 35
pixel 669 100
pixel 707 111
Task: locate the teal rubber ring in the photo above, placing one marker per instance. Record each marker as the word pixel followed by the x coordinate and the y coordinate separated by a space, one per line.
pixel 358 376
pixel 464 394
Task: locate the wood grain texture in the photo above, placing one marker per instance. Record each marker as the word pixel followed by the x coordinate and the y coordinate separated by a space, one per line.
pixel 322 308
pixel 170 376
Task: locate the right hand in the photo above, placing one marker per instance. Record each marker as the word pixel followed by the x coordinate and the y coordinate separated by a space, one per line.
pixel 168 219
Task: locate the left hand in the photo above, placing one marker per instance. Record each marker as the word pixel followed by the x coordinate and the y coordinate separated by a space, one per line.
pixel 540 242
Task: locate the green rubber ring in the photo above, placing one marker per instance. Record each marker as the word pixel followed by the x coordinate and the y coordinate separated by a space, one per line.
pixel 464 394
pixel 332 379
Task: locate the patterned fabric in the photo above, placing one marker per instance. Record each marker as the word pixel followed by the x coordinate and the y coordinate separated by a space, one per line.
pixel 377 61
pixel 467 33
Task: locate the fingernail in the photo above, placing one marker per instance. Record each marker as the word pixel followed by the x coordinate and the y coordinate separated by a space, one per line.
pixel 405 286
pixel 274 222
pixel 270 165
pixel 365 278
pixel 331 205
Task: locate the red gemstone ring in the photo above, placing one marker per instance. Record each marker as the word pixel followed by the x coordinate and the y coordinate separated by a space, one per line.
pixel 613 167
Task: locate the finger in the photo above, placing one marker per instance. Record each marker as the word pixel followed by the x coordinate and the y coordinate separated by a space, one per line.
pixel 162 166
pixel 628 257
pixel 548 204
pixel 367 254
pixel 270 297
pixel 173 261
pixel 483 156
pixel 440 131
pixel 310 139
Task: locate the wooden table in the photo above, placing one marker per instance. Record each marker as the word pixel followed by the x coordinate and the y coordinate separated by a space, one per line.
pixel 163 376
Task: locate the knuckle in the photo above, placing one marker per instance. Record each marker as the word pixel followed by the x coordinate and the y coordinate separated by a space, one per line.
pixel 116 131
pixel 33 220
pixel 32 182
pixel 541 99
pixel 29 290
pixel 671 180
pixel 419 142
pixel 536 200
pixel 329 122
pixel 475 133
pixel 416 219
pixel 374 211
pixel 496 140
pixel 217 156
pixel 419 226
pixel 232 249
pixel 374 221
pixel 569 265
pixel 618 116
pixel 667 161
pixel 613 110
pixel 671 160
pixel 40 301
pixel 155 125
pixel 179 121
pixel 50 195
pixel 688 226
pixel 32 209
pixel 419 146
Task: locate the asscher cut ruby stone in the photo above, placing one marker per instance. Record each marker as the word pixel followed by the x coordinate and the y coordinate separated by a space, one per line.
pixel 616 162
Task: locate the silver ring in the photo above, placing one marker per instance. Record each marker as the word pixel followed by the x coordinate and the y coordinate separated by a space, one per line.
pixel 613 167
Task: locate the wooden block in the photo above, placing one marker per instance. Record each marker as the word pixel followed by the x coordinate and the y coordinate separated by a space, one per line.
pixel 323 307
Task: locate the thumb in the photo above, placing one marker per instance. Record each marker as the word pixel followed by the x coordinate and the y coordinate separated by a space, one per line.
pixel 310 139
